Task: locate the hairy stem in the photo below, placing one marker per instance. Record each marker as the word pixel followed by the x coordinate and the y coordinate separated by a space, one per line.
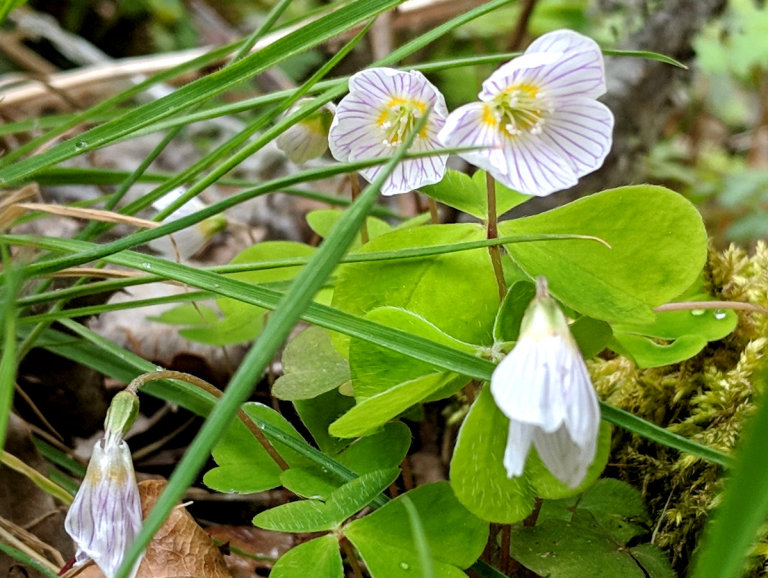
pixel 207 387
pixel 492 233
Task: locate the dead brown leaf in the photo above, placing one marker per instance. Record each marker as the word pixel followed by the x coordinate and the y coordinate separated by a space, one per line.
pixel 180 549
pixel 252 548
pixel 88 214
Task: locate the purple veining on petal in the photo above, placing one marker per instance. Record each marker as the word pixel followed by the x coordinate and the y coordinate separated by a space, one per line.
pixel 584 139
pixel 359 132
pixel 106 513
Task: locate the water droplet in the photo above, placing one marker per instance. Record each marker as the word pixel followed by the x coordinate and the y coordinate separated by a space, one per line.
pixel 81 144
pixel 404 565
pixel 720 314
pixel 146 265
pixel 697 312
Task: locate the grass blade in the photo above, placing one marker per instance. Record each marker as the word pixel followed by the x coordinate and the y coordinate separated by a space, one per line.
pixel 734 527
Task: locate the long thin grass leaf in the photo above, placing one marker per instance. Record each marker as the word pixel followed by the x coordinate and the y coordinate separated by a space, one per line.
pixel 204 88
pixel 49 487
pixel 400 341
pixel 309 280
pixel 733 529
pixel 10 291
pixel 27 560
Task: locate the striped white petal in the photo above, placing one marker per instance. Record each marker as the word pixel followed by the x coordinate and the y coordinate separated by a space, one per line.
pixel 471 126
pixel 567 460
pixel 517 70
pixel 105 516
pixel 579 71
pixel 580 132
pixel 544 388
pixel 376 116
pixel 537 119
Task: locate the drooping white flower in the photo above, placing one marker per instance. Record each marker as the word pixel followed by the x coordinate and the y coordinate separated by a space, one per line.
pixel 105 516
pixel 308 138
pixel 378 114
pixel 543 387
pixel 538 122
pixel 190 240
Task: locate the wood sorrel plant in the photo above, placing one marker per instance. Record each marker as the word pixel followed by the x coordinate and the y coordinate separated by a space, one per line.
pixel 414 315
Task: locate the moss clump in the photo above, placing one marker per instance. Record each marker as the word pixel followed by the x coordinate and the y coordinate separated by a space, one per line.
pixel 706 398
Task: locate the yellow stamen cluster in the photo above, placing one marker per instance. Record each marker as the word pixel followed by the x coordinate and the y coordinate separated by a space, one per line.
pixel 398 118
pixel 518 109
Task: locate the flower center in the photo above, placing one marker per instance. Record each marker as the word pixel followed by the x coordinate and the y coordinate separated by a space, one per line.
pixel 518 109
pixel 398 118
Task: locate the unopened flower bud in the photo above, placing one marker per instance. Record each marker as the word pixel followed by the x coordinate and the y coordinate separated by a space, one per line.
pixel 121 414
pixel 308 138
pixel 190 240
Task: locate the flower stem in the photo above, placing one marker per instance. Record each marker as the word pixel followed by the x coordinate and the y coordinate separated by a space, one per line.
pixel 433 211
pixel 504 558
pixel 354 184
pixel 492 233
pixel 144 378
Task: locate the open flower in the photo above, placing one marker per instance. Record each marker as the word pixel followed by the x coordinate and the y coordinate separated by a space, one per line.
pixel 105 516
pixel 538 122
pixel 543 387
pixel 308 138
pixel 378 114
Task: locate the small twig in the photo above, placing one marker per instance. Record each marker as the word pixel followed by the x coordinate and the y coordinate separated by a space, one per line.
pixel 207 387
pixel 9 538
pixel 407 474
pixel 505 559
pixel 661 517
pixel 693 305
pixel 522 25
pixel 349 552
pixel 37 412
pixel 149 448
pixel 530 521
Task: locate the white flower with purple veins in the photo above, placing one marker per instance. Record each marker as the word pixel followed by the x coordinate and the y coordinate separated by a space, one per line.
pixel 105 516
pixel 543 387
pixel 379 113
pixel 538 123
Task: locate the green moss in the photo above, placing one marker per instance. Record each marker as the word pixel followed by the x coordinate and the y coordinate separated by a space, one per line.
pixel 706 398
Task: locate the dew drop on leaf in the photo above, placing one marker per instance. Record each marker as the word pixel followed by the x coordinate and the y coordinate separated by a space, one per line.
pixel 697 312
pixel 720 314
